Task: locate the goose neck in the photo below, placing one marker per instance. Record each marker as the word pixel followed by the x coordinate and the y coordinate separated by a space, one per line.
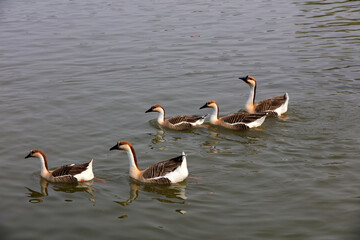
pixel 161 117
pixel 43 165
pixel 214 117
pixel 251 101
pixel 132 160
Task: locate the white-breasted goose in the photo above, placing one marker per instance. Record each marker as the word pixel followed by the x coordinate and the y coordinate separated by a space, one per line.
pixel 180 122
pixel 69 173
pixel 166 172
pixel 274 106
pixel 239 120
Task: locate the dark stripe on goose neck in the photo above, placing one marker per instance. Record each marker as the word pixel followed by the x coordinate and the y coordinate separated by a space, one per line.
pixel 254 94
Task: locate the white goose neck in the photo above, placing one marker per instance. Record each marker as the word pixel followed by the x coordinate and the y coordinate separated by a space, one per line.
pixel 43 168
pixel 250 102
pixel 161 117
pixel 132 161
pixel 214 117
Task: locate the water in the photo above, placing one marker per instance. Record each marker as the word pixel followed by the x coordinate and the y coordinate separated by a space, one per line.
pixel 77 76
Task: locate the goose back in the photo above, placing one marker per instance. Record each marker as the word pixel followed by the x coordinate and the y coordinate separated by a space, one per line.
pixel 162 168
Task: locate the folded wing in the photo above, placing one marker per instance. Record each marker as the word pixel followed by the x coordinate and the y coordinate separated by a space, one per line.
pixel 242 117
pixel 70 169
pixel 270 104
pixel 160 169
pixel 184 119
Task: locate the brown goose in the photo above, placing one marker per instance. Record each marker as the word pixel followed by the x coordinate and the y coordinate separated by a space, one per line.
pixel 166 172
pixel 69 173
pixel 240 120
pixel 180 122
pixel 273 106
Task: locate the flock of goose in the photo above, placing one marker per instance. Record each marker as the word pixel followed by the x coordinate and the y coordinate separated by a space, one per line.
pixel 173 170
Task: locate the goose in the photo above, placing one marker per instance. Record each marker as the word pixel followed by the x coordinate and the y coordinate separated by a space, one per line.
pixel 239 120
pixel 180 122
pixel 274 106
pixel 166 172
pixel 69 173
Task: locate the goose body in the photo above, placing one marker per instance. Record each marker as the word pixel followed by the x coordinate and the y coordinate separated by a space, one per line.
pixel 180 122
pixel 274 106
pixel 166 172
pixel 239 120
pixel 69 173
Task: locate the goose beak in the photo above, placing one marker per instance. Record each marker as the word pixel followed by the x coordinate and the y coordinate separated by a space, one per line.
pixel 149 110
pixel 244 78
pixel 114 148
pixel 205 106
pixel 29 155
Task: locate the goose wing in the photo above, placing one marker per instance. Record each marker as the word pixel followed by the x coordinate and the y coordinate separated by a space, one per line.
pixel 184 119
pixel 242 117
pixel 65 179
pixel 70 169
pixel 270 104
pixel 160 169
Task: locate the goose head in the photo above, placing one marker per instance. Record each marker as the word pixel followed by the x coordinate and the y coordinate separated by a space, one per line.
pixel 35 153
pixel 210 104
pixel 155 108
pixel 121 145
pixel 249 80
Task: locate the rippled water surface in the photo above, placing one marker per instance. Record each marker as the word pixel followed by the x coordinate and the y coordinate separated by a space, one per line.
pixel 77 76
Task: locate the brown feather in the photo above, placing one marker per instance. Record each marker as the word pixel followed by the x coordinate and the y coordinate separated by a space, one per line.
pixel 179 126
pixel 183 118
pixel 65 178
pixel 162 168
pixel 163 181
pixel 242 117
pixel 270 104
pixel 238 126
pixel 181 122
pixel 69 170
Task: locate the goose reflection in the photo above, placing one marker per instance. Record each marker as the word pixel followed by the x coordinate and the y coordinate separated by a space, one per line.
pixel 174 193
pixel 159 137
pixel 219 135
pixel 246 137
pixel 35 196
